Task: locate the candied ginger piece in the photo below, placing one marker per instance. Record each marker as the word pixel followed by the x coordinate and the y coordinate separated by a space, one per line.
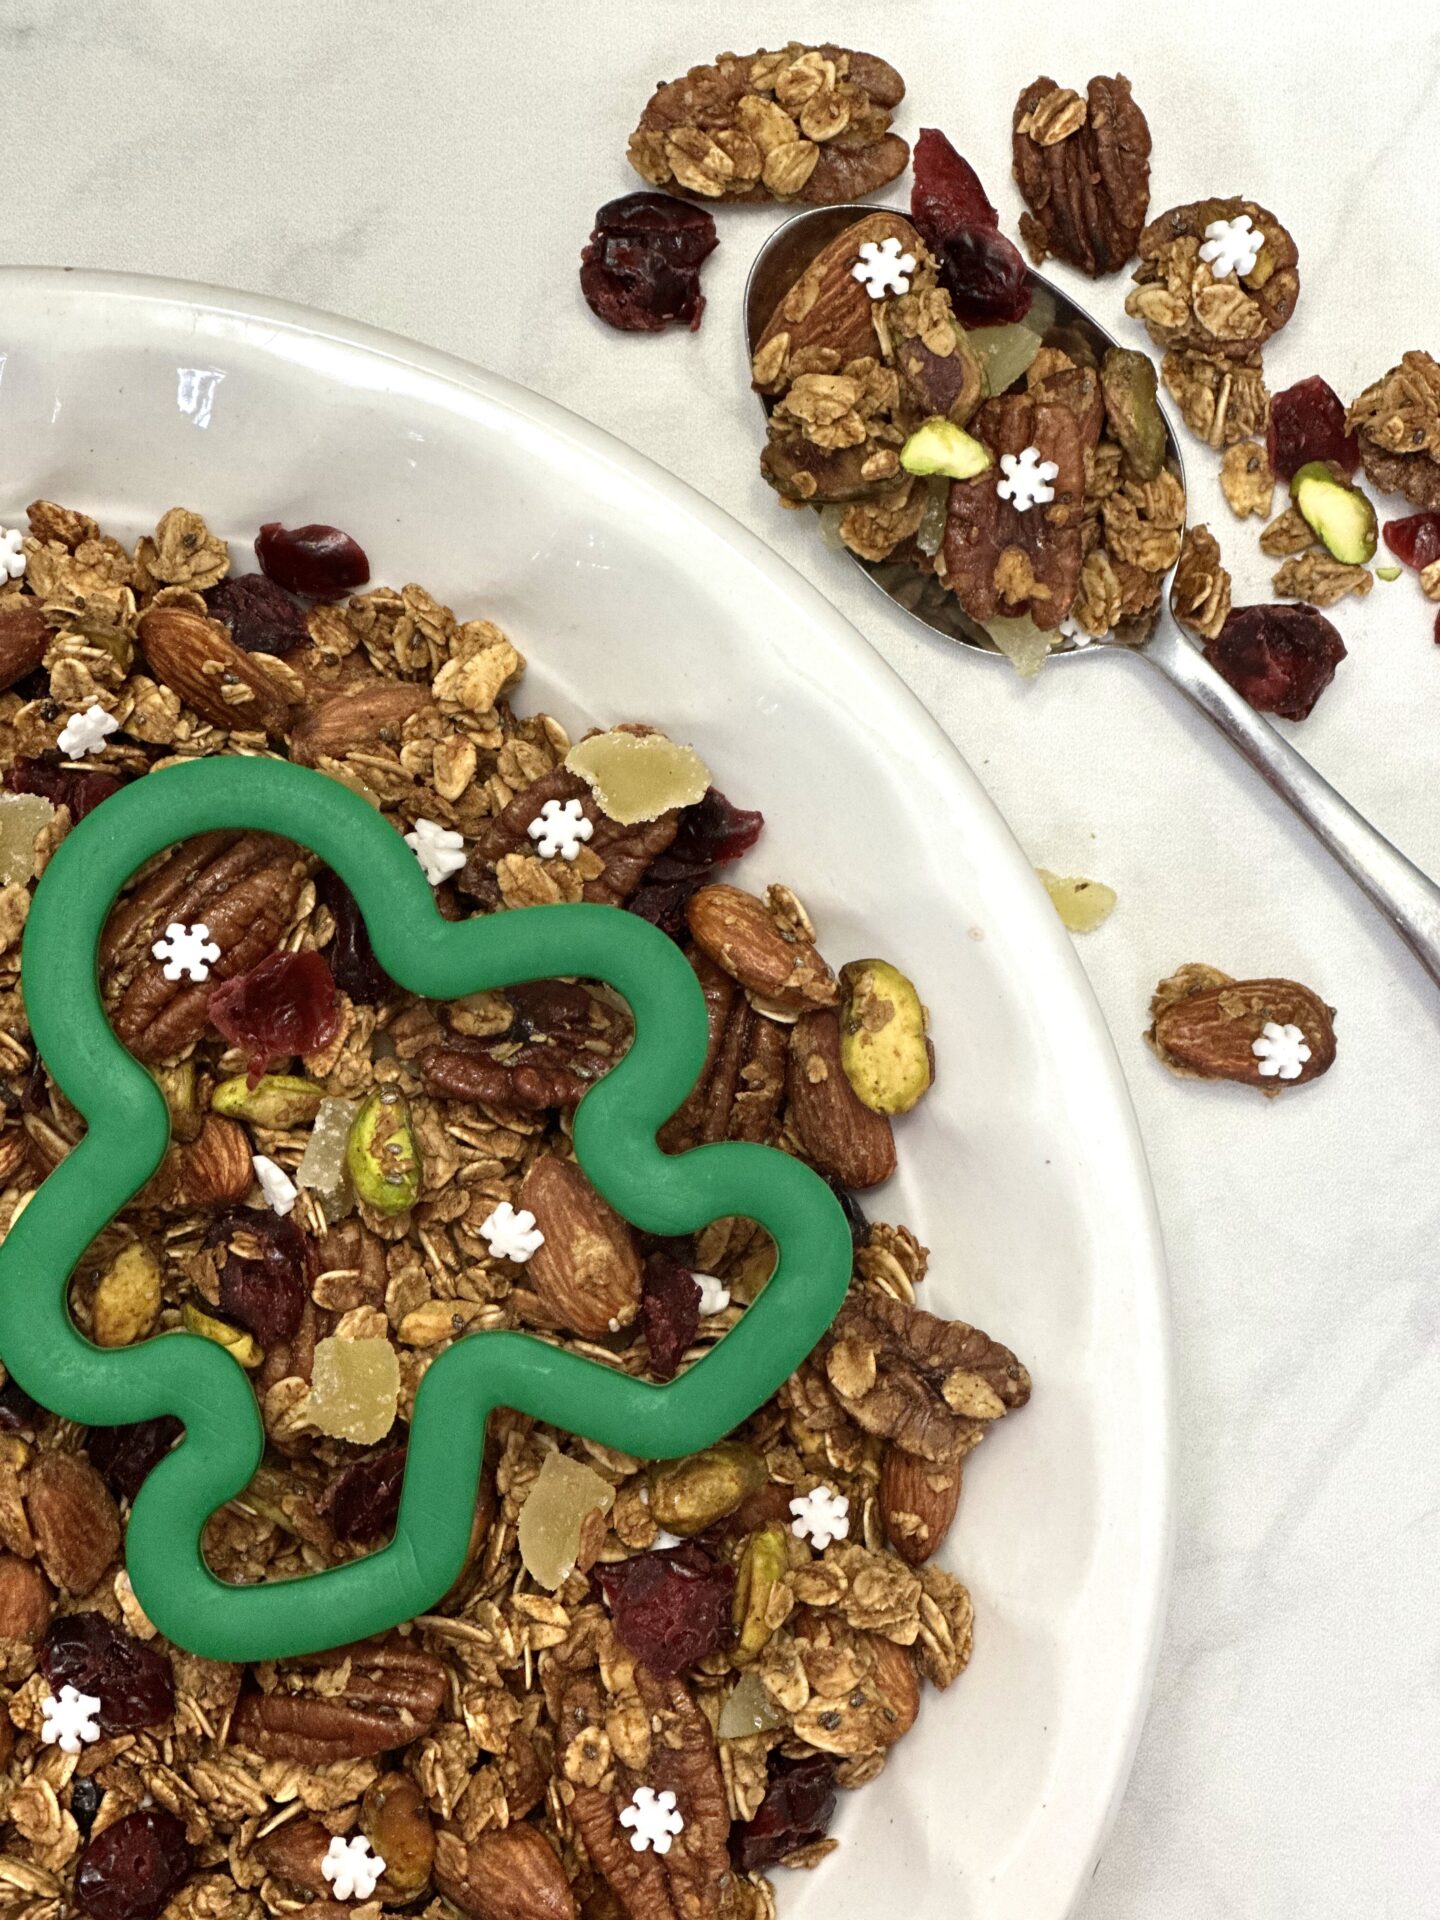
pixel 748 1710
pixel 1081 904
pixel 354 1389
pixel 1023 644
pixel 23 818
pixel 322 1165
pixel 638 776
pixel 555 1509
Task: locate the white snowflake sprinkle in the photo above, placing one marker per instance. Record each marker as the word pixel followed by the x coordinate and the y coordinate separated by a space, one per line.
pixel 511 1235
pixel 1070 629
pixel 86 732
pixel 69 1721
pixel 560 827
pixel 713 1297
pixel 186 951
pixel 884 268
pixel 12 553
pixel 1281 1051
pixel 351 1868
pixel 278 1188
pixel 1027 478
pixel 664 1540
pixel 822 1515
pixel 654 1817
pixel 1231 246
pixel 440 850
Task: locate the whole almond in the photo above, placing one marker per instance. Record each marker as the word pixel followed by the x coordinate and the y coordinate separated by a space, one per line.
pixel 294 1852
pixel 24 637
pixel 512 1873
pixel 25 1600
pixel 585 1278
pixel 827 306
pixel 75 1521
pixel 1205 1025
pixel 918 1499
pixel 195 657
pixel 212 1170
pixel 363 717
pixel 765 953
pixel 838 1132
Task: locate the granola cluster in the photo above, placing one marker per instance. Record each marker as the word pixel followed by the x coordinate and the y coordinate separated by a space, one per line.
pixel 488 1752
pixel 804 123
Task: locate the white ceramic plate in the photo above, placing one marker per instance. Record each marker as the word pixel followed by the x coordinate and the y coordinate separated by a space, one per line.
pixel 634 598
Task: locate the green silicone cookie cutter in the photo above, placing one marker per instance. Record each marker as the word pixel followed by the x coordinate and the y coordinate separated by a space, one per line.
pixel 197 1381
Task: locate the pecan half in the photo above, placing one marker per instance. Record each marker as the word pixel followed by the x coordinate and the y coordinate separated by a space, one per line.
pixel 930 1385
pixel 738 1093
pixel 563 1039
pixel 368 1700
pixel 621 854
pixel 243 886
pixel 1083 168
pixel 806 123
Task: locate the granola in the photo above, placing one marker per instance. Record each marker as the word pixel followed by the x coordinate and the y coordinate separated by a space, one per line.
pixel 1397 421
pixel 1189 299
pixel 802 123
pixel 489 1755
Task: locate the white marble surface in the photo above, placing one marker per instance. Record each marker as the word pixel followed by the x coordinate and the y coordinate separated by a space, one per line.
pixel 432 168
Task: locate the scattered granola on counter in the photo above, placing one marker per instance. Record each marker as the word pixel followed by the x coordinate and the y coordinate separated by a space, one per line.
pixel 804 123
pixel 649 1683
pixel 1397 423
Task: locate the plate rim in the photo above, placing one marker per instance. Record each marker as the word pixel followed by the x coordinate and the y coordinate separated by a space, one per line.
pixel 1085 1031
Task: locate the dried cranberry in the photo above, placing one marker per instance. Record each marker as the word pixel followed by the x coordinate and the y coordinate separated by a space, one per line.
pixel 266 1295
pixel 317 561
pixel 260 617
pixel 797 1809
pixel 641 270
pixel 125 1456
pixel 69 787
pixel 946 192
pixel 132 1682
pixel 1415 539
pixel 130 1870
pixel 18 1412
pixel 84 1801
pixel 711 834
pixel 283 1006
pixel 1307 422
pixel 979 268
pixel 669 1312
pixel 854 1213
pixel 352 960
pixel 363 1502
pixel 671 1608
pixel 1280 658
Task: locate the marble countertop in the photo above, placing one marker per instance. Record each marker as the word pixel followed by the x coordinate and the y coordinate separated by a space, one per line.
pixel 433 169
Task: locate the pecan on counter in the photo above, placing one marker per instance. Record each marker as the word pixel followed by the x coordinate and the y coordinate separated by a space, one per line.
pixel 998 560
pixel 803 123
pixel 1083 168
pixel 1185 303
pixel 1397 421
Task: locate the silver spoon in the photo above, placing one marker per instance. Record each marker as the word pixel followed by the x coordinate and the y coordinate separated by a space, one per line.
pixel 1406 896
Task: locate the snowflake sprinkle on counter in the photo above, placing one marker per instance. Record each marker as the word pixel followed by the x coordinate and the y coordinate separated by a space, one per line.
pixel 1281 1051
pixel 351 1868
pixel 186 951
pixel 1231 246
pixel 654 1818
pixel 86 732
pixel 883 268
pixel 822 1515
pixel 440 850
pixel 69 1719
pixel 12 553
pixel 511 1235
pixel 1027 479
pixel 278 1188
pixel 560 827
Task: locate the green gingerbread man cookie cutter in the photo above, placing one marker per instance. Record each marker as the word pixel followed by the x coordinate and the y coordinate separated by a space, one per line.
pixel 198 1382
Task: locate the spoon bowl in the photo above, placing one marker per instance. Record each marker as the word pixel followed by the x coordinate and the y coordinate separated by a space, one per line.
pixel 776 268
pixel 1408 898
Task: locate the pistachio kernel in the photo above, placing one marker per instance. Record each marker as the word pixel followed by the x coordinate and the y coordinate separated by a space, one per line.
pixel 687 1496
pixel 381 1154
pixel 276 1099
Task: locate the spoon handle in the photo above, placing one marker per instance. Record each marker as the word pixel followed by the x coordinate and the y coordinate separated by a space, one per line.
pixel 1409 899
